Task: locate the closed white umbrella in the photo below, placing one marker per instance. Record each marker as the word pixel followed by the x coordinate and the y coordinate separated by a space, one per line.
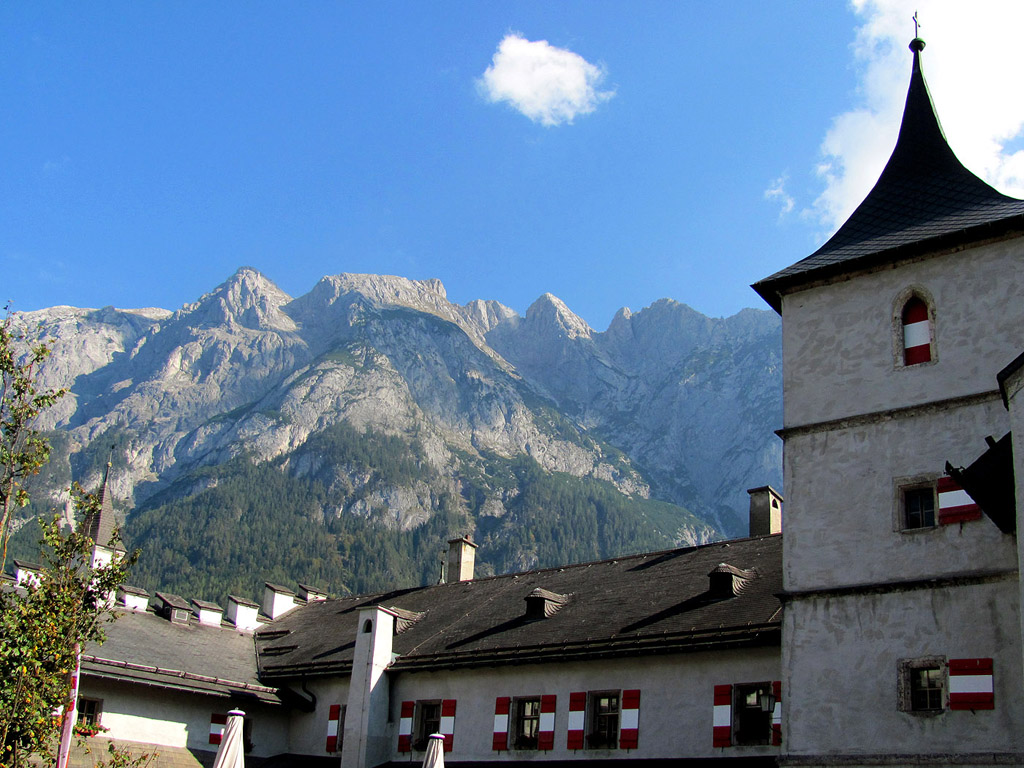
pixel 435 752
pixel 231 752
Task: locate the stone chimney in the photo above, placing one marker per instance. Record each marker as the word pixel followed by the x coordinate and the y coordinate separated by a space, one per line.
pixel 765 511
pixel 277 600
pixel 244 614
pixel 461 559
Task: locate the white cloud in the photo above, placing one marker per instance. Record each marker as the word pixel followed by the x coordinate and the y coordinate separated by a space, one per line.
pixel 973 72
pixel 777 192
pixel 550 85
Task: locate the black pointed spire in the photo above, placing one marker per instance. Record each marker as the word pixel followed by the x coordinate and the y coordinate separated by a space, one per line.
pixel 925 199
pixel 100 526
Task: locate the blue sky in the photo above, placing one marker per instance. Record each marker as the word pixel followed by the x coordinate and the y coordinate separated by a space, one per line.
pixel 645 150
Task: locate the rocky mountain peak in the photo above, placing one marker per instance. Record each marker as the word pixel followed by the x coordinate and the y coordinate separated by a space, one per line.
pixel 246 299
pixel 551 312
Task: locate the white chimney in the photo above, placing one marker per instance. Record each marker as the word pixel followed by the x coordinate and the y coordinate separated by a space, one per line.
pixel 244 614
pixel 26 573
pixel 209 614
pixel 461 559
pixel 311 594
pixel 277 600
pixel 765 511
pixel 133 598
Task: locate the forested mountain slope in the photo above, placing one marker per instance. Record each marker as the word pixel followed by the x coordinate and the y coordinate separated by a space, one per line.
pixel 339 438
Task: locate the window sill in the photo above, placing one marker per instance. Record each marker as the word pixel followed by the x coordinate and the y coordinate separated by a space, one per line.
pixel 922 529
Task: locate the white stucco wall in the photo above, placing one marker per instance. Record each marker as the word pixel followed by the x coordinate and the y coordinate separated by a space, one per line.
pixel 179 719
pixel 841 656
pixel 676 702
pixel 837 339
pixel 842 504
pixel 307 731
pixel 1015 403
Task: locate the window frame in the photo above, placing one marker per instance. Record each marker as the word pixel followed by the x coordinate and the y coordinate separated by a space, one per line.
pixel 905 689
pixel 912 484
pixel 517 739
pixel 898 339
pixel 420 722
pixel 741 711
pixel 91 719
pixel 595 736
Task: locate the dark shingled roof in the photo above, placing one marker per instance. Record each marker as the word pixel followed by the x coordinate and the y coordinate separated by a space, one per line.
pixel 144 648
pixel 100 526
pixel 925 200
pixel 650 603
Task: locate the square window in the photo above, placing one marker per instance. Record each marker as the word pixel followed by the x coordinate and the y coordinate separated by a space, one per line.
pixel 603 720
pixel 925 689
pixel 751 724
pixel 525 723
pixel 428 721
pixel 922 685
pixel 918 507
pixel 89 711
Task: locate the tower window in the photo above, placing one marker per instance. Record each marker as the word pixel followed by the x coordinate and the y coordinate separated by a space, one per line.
pixel 922 684
pixel 919 507
pixel 917 332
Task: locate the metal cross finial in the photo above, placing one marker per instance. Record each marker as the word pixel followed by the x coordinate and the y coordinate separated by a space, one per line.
pixel 916 23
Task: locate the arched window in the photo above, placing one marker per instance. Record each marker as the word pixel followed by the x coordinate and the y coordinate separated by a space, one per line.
pixel 917 332
pixel 367 627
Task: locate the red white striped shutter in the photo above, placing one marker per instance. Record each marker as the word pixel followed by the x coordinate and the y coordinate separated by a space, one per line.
pixel 501 707
pixel 577 717
pixel 722 722
pixel 917 342
pixel 546 732
pixel 629 720
pixel 448 723
pixel 777 714
pixel 971 684
pixel 955 506
pixel 333 718
pixel 405 726
pixel 217 724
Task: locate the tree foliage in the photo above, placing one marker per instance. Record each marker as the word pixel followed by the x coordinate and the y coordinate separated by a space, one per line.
pixel 23 450
pixel 42 625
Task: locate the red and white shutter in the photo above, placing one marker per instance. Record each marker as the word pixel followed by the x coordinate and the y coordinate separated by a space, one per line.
pixel 955 506
pixel 333 719
pixel 917 341
pixel 777 714
pixel 546 731
pixel 501 707
pixel 629 720
pixel 448 723
pixel 577 717
pixel 405 726
pixel 722 722
pixel 217 724
pixel 971 684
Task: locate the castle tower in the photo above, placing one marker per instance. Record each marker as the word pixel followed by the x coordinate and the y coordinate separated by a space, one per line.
pixel 901 640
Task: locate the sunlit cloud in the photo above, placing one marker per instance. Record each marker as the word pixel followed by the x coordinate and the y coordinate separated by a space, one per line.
pixel 973 76
pixel 551 86
pixel 776 192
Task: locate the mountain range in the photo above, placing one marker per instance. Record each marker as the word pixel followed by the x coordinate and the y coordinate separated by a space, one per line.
pixel 341 436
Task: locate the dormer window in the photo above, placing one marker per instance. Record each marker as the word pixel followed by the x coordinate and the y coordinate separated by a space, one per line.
pixel 542 603
pixel 917 331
